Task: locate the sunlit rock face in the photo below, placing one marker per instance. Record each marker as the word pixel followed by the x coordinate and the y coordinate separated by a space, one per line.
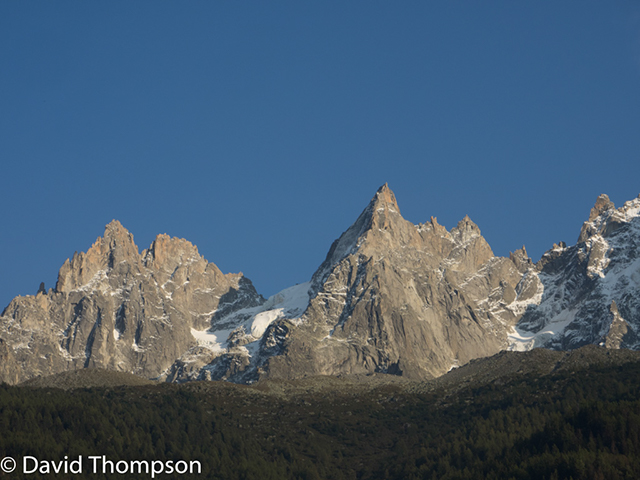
pixel 399 298
pixel 390 297
pixel 589 292
pixel 115 308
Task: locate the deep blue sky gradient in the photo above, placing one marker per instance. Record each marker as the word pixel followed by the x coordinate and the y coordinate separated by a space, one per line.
pixel 260 130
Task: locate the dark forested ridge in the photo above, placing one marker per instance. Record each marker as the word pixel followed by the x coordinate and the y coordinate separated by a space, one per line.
pixel 580 422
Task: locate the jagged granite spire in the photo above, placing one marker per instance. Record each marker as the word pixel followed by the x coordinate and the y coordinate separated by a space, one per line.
pixel 381 213
pixel 591 290
pixel 597 217
pixel 117 309
pixel 114 249
pixel 397 298
pixel 391 297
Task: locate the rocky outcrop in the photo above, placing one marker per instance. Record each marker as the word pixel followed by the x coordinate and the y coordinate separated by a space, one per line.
pixel 390 297
pixel 395 297
pixel 618 329
pixel 589 292
pixel 115 308
pixel 418 300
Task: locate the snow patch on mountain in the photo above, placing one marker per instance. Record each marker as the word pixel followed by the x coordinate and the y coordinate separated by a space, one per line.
pixel 262 320
pixel 293 301
pixel 581 282
pixel 251 323
pixel 522 340
pixel 211 340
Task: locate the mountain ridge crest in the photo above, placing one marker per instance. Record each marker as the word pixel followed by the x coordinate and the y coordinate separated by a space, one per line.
pixel 390 297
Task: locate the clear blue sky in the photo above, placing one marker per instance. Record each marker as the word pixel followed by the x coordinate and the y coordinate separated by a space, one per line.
pixel 260 130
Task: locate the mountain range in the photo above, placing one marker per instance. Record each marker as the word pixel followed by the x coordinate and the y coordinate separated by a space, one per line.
pixel 390 297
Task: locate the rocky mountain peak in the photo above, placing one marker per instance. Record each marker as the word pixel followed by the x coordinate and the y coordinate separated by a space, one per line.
pixel 605 219
pixel 114 308
pixel 382 211
pixel 521 259
pixel 437 228
pixel 465 231
pixel 386 223
pixel 399 298
pixel 168 253
pixel 114 229
pixel 382 214
pixel 384 199
pixel 114 249
pixel 591 288
pixel 117 242
pixel 391 297
pixel 602 204
pixel 598 218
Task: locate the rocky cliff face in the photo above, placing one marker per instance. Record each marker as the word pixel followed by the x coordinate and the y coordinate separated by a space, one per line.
pixel 418 300
pixel 399 298
pixel 115 308
pixel 588 293
pixel 391 296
